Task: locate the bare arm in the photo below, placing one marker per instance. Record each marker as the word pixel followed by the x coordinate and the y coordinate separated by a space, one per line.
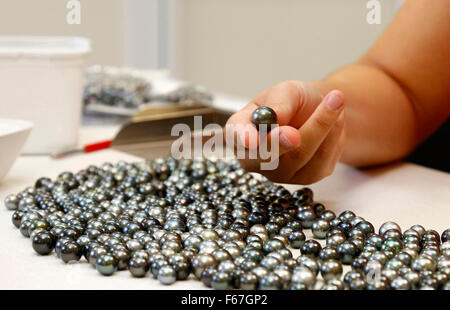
pixel 399 92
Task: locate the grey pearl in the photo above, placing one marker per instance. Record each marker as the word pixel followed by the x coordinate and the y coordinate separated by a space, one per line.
pixel 305 276
pixel 260 272
pixel 221 281
pixel 328 253
pixel 391 274
pixel 357 284
pixel 106 264
pixel 270 263
pixel 271 281
pixel 226 266
pixel 335 240
pixel 347 252
pixel 400 283
pixel 320 228
pixel 331 269
pixel 296 239
pixel 423 263
pixel 419 228
pixel 138 266
pixel 167 275
pixel 221 255
pixel 248 281
pixel 307 216
pixel 388 226
pixel 201 262
pixel 11 202
pixel 309 262
pixel 298 287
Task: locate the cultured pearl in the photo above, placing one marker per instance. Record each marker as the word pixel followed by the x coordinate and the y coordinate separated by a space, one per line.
pixel 347 251
pixel 248 281
pixel 221 281
pixel 311 248
pixel 304 276
pixel 11 202
pixel 167 275
pixel 43 243
pixel 445 235
pixel 306 216
pixel 400 283
pixel 71 251
pixel 296 239
pixel 320 228
pixel 138 266
pixel 271 281
pixel 331 269
pixel 328 253
pixel 106 264
pixel 201 262
pixel 264 116
pixel 388 226
pixel 423 263
pixel 335 240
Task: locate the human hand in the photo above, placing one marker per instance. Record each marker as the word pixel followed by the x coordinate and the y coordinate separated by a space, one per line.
pixel 311 131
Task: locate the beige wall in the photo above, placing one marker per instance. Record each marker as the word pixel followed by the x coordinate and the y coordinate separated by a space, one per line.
pixel 101 20
pixel 243 46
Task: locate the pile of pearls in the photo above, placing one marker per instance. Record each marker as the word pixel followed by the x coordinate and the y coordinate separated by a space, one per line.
pixel 119 87
pixel 211 220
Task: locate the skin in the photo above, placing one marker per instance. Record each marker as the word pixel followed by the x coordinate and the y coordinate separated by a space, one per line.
pixel 391 100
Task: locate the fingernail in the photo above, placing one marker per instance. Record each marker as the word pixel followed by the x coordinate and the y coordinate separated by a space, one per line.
pixel 334 101
pixel 284 141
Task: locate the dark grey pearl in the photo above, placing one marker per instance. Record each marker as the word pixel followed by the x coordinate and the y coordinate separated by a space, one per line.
pixel 122 257
pixel 413 278
pixel 328 215
pixel 346 216
pixel 106 264
pixel 167 275
pixel 221 281
pixel 306 216
pixel 201 262
pixel 248 281
pixel 207 275
pixel 381 284
pixel 365 227
pixel 298 287
pixel 331 269
pixel 16 218
pixel 400 283
pixel 391 274
pixel 347 251
pixel 11 202
pixel 352 275
pixel 357 284
pixel 221 255
pixel 359 263
pixel 270 281
pixel 182 270
pixel 264 116
pixel 311 263
pixel 305 276
pixel 335 240
pixel 445 235
pixel 328 253
pixel 394 264
pixel 393 244
pixel 138 266
pixel 43 242
pixel 419 228
pixel 71 251
pixel 311 248
pixel 423 263
pixel 273 246
pixel 320 228
pixel 270 263
pixel 388 226
pixel 296 239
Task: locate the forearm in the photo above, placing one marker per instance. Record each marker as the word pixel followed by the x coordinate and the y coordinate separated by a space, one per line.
pixel 380 120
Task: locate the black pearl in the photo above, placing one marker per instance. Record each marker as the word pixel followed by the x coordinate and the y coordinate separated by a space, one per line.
pixel 167 275
pixel 331 269
pixel 248 281
pixel 106 264
pixel 328 253
pixel 347 251
pixel 70 251
pixel 270 282
pixel 320 228
pixel 264 116
pixel 306 216
pixel 43 242
pixel 445 235
pixel 221 281
pixel 296 239
pixel 311 248
pixel 138 266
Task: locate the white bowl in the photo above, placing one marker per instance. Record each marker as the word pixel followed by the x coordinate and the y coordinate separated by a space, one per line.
pixel 13 134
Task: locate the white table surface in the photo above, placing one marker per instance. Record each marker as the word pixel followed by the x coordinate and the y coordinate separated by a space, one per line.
pixel 405 193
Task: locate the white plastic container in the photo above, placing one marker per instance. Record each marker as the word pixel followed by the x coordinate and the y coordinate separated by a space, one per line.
pixel 41 80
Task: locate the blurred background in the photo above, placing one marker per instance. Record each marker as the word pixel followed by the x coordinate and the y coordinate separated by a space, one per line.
pixel 233 46
pixel 78 84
